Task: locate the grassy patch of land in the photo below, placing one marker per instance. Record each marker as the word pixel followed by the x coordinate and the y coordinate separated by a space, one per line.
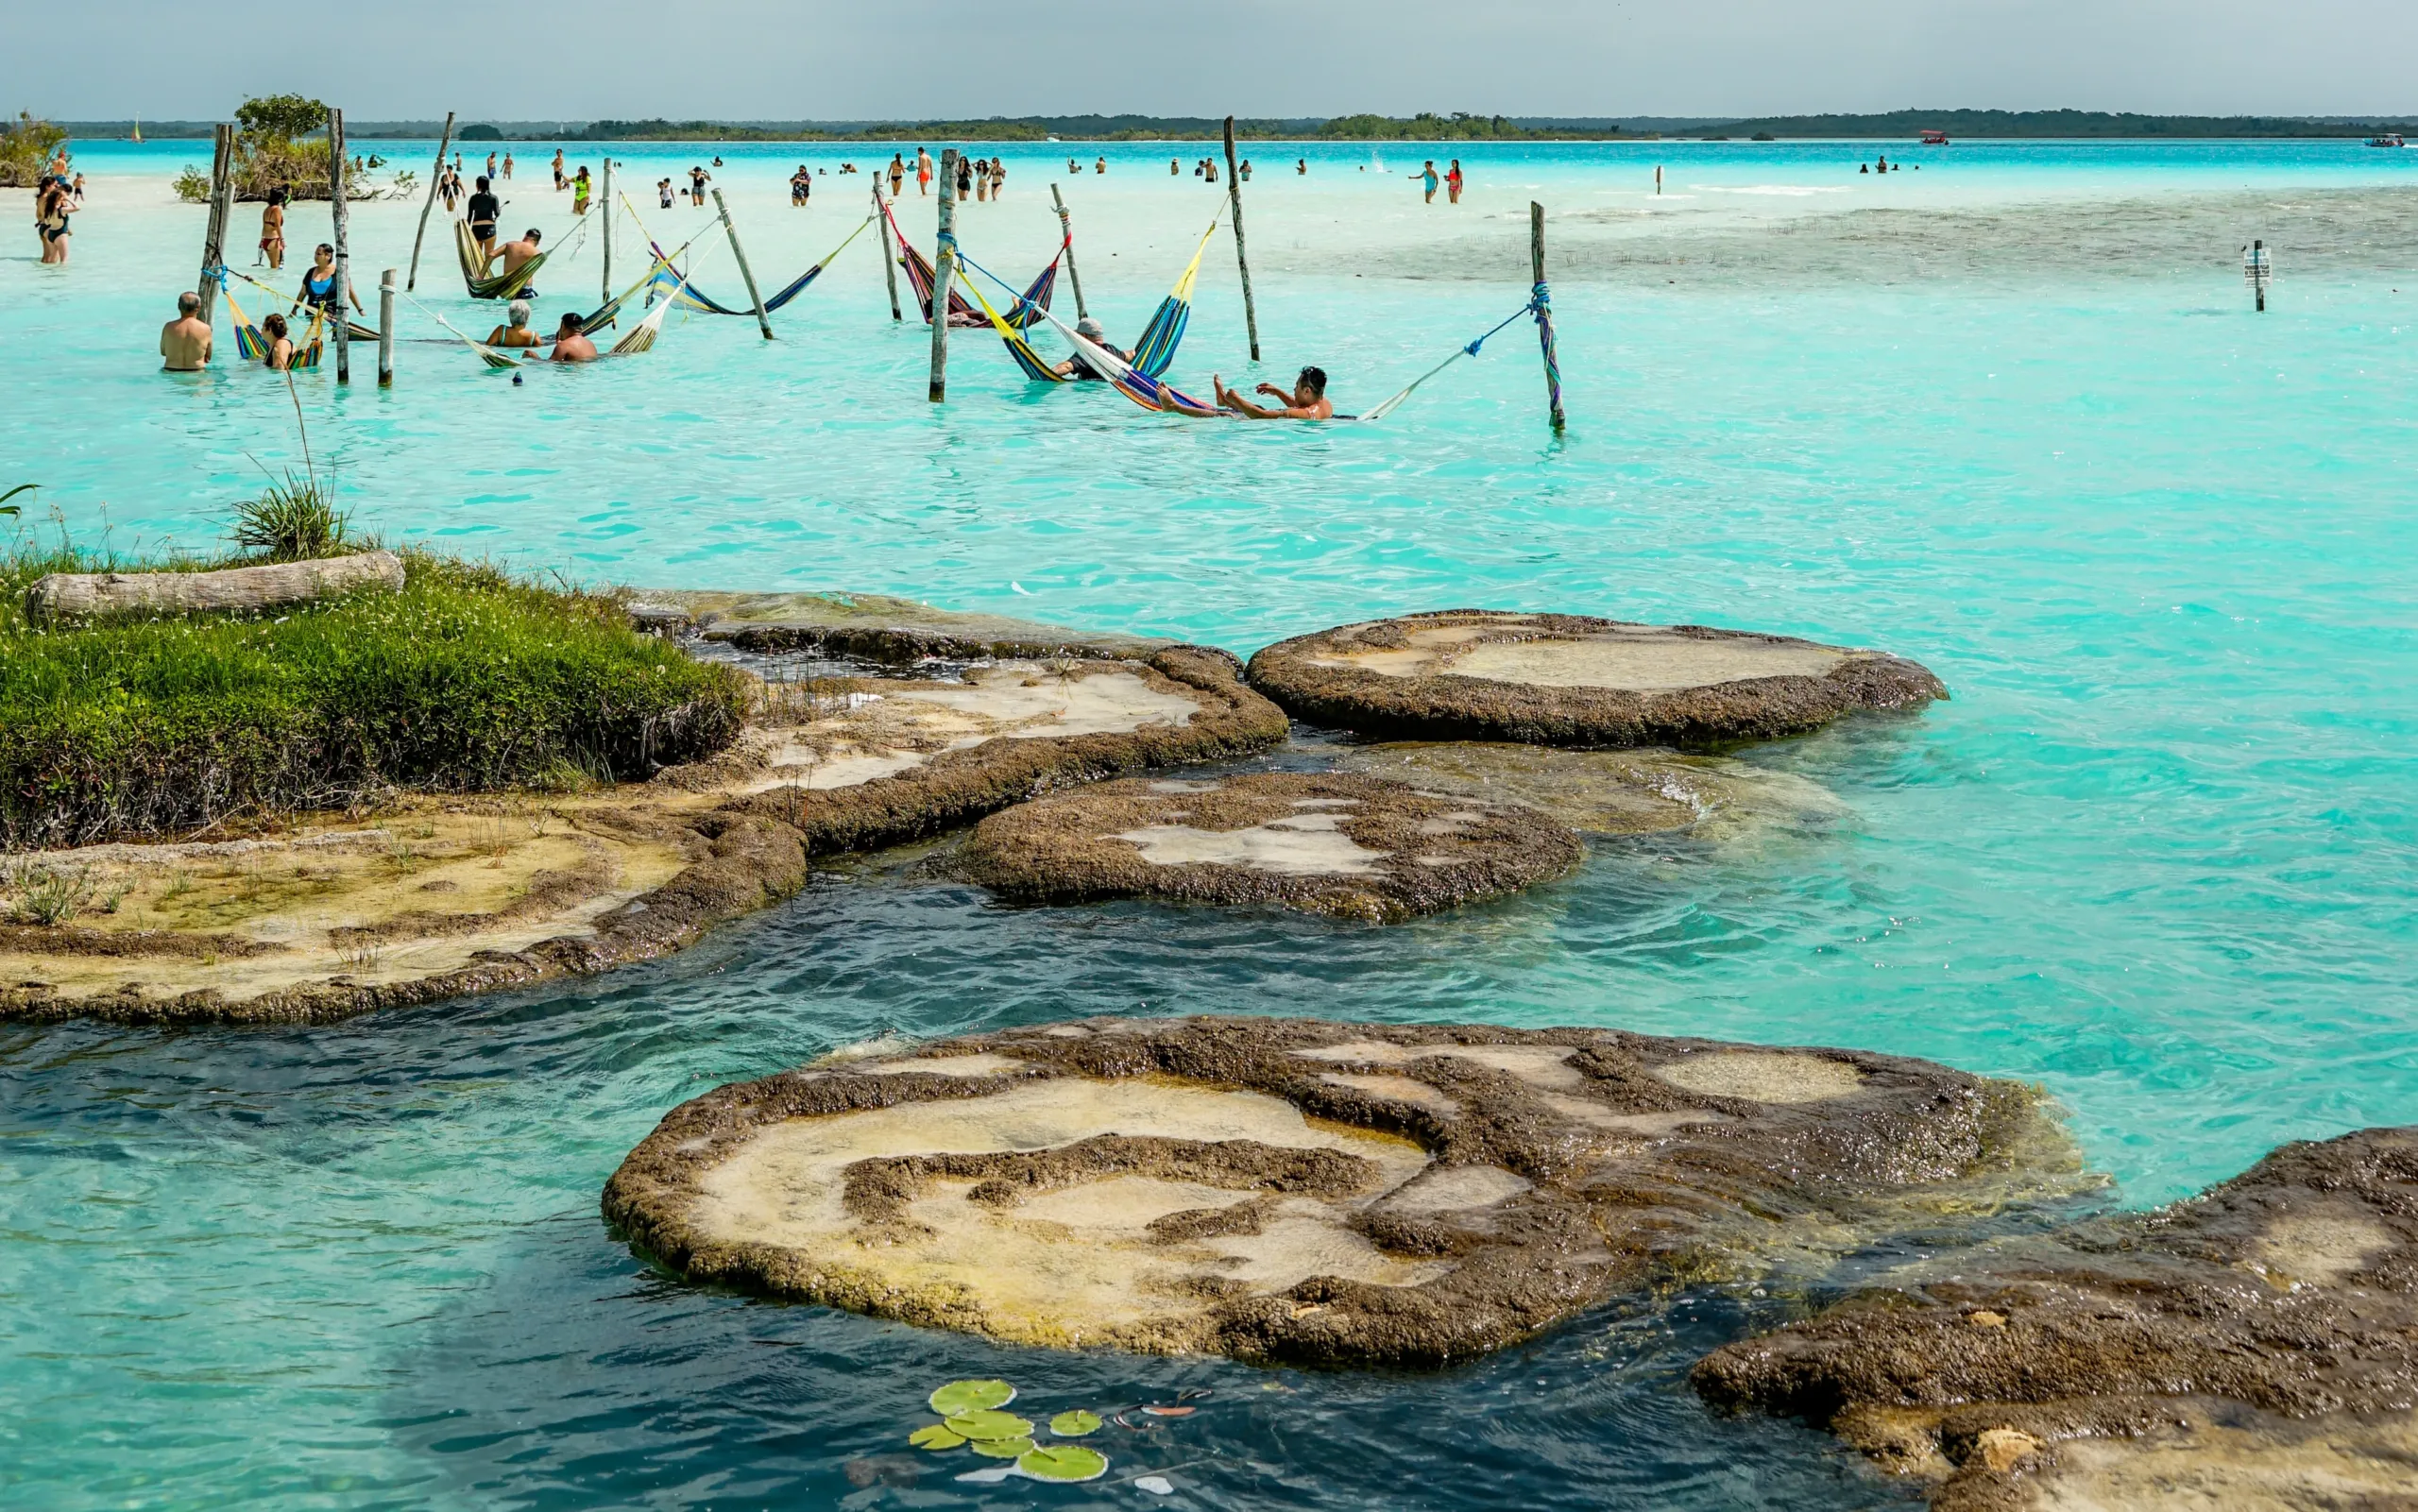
pixel 466 681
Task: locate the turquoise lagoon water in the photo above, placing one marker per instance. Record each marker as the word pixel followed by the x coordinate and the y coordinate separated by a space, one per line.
pixel 2011 414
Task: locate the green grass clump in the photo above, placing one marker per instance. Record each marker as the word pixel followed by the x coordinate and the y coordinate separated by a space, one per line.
pixel 466 681
pixel 291 521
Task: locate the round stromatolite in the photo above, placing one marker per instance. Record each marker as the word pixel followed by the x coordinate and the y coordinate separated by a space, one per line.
pixel 1559 679
pixel 1355 846
pixel 2253 1347
pixel 1291 1189
pixel 1606 792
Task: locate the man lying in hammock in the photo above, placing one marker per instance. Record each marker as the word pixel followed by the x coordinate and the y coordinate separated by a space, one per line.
pixel 1081 371
pixel 1308 400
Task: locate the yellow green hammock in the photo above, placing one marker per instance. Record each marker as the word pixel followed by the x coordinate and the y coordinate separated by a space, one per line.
pixel 475 264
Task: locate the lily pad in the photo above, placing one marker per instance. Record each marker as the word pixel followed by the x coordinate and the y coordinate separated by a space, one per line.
pixel 935 1435
pixel 971 1396
pixel 1002 1448
pixel 1062 1462
pixel 1075 1424
pixel 981 1425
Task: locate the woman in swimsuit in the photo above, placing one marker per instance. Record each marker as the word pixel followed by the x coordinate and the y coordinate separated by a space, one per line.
pixel 998 180
pixel 273 229
pixel 1453 182
pixel 515 331
pixel 964 178
pixel 280 346
pixel 897 172
pixel 579 192
pixel 50 219
pixel 319 286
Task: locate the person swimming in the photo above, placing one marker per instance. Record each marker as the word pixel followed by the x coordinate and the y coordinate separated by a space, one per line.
pixel 1308 400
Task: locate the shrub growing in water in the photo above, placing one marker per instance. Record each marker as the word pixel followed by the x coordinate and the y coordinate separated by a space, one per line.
pixel 291 521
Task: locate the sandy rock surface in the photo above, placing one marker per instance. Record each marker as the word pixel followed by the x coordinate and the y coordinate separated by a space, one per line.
pixel 329 915
pixel 1289 1189
pixel 1570 680
pixel 1353 847
pixel 2253 1347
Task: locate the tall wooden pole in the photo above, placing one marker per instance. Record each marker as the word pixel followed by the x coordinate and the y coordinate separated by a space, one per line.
pixel 1544 311
pixel 607 202
pixel 1242 259
pixel 344 257
pixel 943 270
pixel 410 279
pixel 1066 232
pixel 763 321
pixel 889 252
pixel 387 329
pixel 222 197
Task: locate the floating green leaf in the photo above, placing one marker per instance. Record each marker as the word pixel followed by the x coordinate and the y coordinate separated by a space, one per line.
pixel 1002 1448
pixel 1073 1424
pixel 935 1435
pixel 1062 1462
pixel 971 1396
pixel 981 1425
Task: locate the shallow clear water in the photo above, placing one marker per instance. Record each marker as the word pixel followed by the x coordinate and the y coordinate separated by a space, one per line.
pixel 2010 415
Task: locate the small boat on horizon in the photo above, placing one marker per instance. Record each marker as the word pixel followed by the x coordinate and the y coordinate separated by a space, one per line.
pixel 1935 139
pixel 2390 139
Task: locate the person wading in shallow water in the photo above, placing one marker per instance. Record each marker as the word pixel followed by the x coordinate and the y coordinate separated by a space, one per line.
pixel 570 343
pixel 319 291
pixel 518 254
pixel 1308 400
pixel 515 331
pixel 184 342
pixel 273 231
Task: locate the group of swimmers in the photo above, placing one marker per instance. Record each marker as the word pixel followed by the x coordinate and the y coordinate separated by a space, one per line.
pixel 55 197
pixel 1207 169
pixel 1452 180
pixel 185 342
pixel 570 339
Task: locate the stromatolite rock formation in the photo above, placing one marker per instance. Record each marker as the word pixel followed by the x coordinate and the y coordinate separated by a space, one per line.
pixel 1558 679
pixel 2256 1347
pixel 1290 1189
pixel 1603 792
pixel 1346 845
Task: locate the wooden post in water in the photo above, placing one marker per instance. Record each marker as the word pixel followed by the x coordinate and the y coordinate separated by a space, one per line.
pixel 889 251
pixel 606 200
pixel 344 257
pixel 410 279
pixel 1066 232
pixel 222 203
pixel 763 321
pixel 387 329
pixel 943 270
pixel 2253 267
pixel 1242 259
pixel 1544 311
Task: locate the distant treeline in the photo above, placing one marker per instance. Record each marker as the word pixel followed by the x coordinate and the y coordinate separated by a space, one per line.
pixel 1424 126
pixel 2063 124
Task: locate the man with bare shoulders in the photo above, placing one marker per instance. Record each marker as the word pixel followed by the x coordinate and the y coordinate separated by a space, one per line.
pixel 517 255
pixel 184 342
pixel 1308 400
pixel 570 343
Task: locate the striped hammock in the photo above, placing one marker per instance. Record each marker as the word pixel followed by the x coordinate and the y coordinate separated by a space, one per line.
pixel 692 298
pixel 252 344
pixel 1154 349
pixel 475 264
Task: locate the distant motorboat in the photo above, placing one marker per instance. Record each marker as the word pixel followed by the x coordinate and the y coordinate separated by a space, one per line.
pixel 1935 139
pixel 2390 139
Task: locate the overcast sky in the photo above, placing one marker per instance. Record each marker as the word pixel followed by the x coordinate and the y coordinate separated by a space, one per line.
pixel 760 58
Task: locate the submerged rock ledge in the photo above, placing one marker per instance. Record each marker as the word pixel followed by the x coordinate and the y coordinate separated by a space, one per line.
pixel 447 897
pixel 1353 847
pixel 1573 680
pixel 2256 1347
pixel 1298 1190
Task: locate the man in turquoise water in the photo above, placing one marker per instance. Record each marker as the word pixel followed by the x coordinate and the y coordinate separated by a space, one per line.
pixel 1308 400
pixel 184 342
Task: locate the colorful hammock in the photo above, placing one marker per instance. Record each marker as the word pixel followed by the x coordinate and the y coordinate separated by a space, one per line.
pixel 1030 306
pixel 1155 348
pixel 1034 367
pixel 252 344
pixel 475 264
pixel 692 298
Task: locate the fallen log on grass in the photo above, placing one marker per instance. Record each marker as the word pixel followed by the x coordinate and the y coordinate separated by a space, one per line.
pixel 64 596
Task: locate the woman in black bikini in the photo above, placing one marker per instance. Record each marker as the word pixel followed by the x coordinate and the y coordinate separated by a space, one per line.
pixel 50 219
pixel 280 346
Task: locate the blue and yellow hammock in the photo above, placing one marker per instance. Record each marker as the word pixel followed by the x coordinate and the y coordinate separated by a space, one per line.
pixel 252 343
pixel 691 298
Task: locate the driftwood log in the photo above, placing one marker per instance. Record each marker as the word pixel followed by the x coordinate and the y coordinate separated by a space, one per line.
pixel 95 595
